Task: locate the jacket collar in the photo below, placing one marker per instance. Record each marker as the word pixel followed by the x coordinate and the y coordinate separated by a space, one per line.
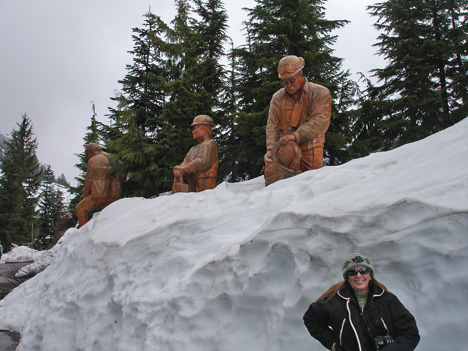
pixel 347 292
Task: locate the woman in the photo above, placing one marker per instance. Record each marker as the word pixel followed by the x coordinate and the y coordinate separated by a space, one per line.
pixel 360 314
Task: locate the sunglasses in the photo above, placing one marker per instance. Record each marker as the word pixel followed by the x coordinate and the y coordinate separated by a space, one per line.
pixel 353 272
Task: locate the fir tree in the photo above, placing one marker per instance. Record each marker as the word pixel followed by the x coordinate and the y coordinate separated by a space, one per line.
pixel 276 28
pixel 135 135
pixel 198 79
pixel 208 73
pixel 137 156
pixel 62 180
pixel 19 183
pixel 423 89
pixel 51 209
pixel 227 140
pixel 184 101
pixel 93 135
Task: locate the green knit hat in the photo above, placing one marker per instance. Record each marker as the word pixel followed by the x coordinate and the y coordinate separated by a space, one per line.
pixel 356 260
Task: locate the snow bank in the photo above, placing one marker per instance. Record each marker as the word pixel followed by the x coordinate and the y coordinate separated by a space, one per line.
pixel 235 268
pixel 41 261
pixel 20 254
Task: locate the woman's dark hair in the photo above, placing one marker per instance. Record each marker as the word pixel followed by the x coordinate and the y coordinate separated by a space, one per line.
pixel 333 290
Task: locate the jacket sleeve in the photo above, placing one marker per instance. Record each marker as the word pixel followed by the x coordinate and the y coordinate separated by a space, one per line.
pixel 273 124
pixel 404 329
pixel 318 119
pixel 89 177
pixel 316 322
pixel 208 154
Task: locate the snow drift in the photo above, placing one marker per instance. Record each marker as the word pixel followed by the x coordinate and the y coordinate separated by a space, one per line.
pixel 235 268
pixel 20 254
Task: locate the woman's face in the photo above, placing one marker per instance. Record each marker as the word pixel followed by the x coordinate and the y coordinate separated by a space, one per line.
pixel 359 282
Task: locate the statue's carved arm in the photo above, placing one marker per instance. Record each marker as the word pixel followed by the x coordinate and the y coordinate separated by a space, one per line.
pixel 318 119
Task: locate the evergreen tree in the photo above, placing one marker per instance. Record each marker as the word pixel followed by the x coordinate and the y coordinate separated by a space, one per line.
pixel 51 208
pixel 175 75
pixel 135 134
pixel 276 28
pixel 208 74
pixel 227 140
pixel 197 77
pixel 137 156
pixel 2 145
pixel 144 84
pixel 62 180
pixel 19 183
pixel 423 89
pixel 456 29
pixel 93 135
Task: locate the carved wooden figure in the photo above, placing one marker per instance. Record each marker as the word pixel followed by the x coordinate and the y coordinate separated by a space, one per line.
pixel 100 188
pixel 299 114
pixel 200 167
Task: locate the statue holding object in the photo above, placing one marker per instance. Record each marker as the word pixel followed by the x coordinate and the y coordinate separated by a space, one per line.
pixel 200 167
pixel 298 118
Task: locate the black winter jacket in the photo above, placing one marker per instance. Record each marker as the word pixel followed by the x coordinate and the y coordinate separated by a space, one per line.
pixel 341 321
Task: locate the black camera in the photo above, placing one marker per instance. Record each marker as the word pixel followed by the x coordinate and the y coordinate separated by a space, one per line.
pixel 382 341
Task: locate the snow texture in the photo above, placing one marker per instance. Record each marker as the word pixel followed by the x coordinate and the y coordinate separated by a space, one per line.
pixel 235 268
pixel 42 259
pixel 21 254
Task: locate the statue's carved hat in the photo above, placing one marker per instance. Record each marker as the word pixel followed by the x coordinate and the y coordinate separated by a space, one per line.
pixel 203 120
pixel 289 66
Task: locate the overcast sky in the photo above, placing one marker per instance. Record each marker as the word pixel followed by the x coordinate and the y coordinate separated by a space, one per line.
pixel 57 57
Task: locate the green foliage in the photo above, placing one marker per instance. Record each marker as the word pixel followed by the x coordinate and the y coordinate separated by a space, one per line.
pixel 198 85
pixel 62 180
pixel 51 209
pixel 137 156
pixel 175 76
pixel 136 134
pixel 19 183
pixel 424 87
pixel 94 134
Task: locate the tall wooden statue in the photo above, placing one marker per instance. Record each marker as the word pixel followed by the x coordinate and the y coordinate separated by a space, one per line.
pixel 298 118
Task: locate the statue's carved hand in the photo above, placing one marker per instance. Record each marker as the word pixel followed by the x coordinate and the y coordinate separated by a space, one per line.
pixel 287 138
pixel 267 157
pixel 177 174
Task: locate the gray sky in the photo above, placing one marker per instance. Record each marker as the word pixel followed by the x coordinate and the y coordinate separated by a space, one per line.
pixel 59 56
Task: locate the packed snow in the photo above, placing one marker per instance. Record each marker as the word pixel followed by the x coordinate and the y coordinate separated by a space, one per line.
pixel 235 268
pixel 21 254
pixel 40 259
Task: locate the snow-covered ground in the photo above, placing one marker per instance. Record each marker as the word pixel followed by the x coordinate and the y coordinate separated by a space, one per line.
pixel 235 268
pixel 20 254
pixel 40 259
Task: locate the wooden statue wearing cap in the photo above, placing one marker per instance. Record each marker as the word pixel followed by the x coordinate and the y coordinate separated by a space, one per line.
pixel 298 118
pixel 200 167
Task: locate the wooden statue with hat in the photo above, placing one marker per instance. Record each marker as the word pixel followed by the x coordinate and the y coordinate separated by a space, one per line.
pixel 298 118
pixel 199 169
